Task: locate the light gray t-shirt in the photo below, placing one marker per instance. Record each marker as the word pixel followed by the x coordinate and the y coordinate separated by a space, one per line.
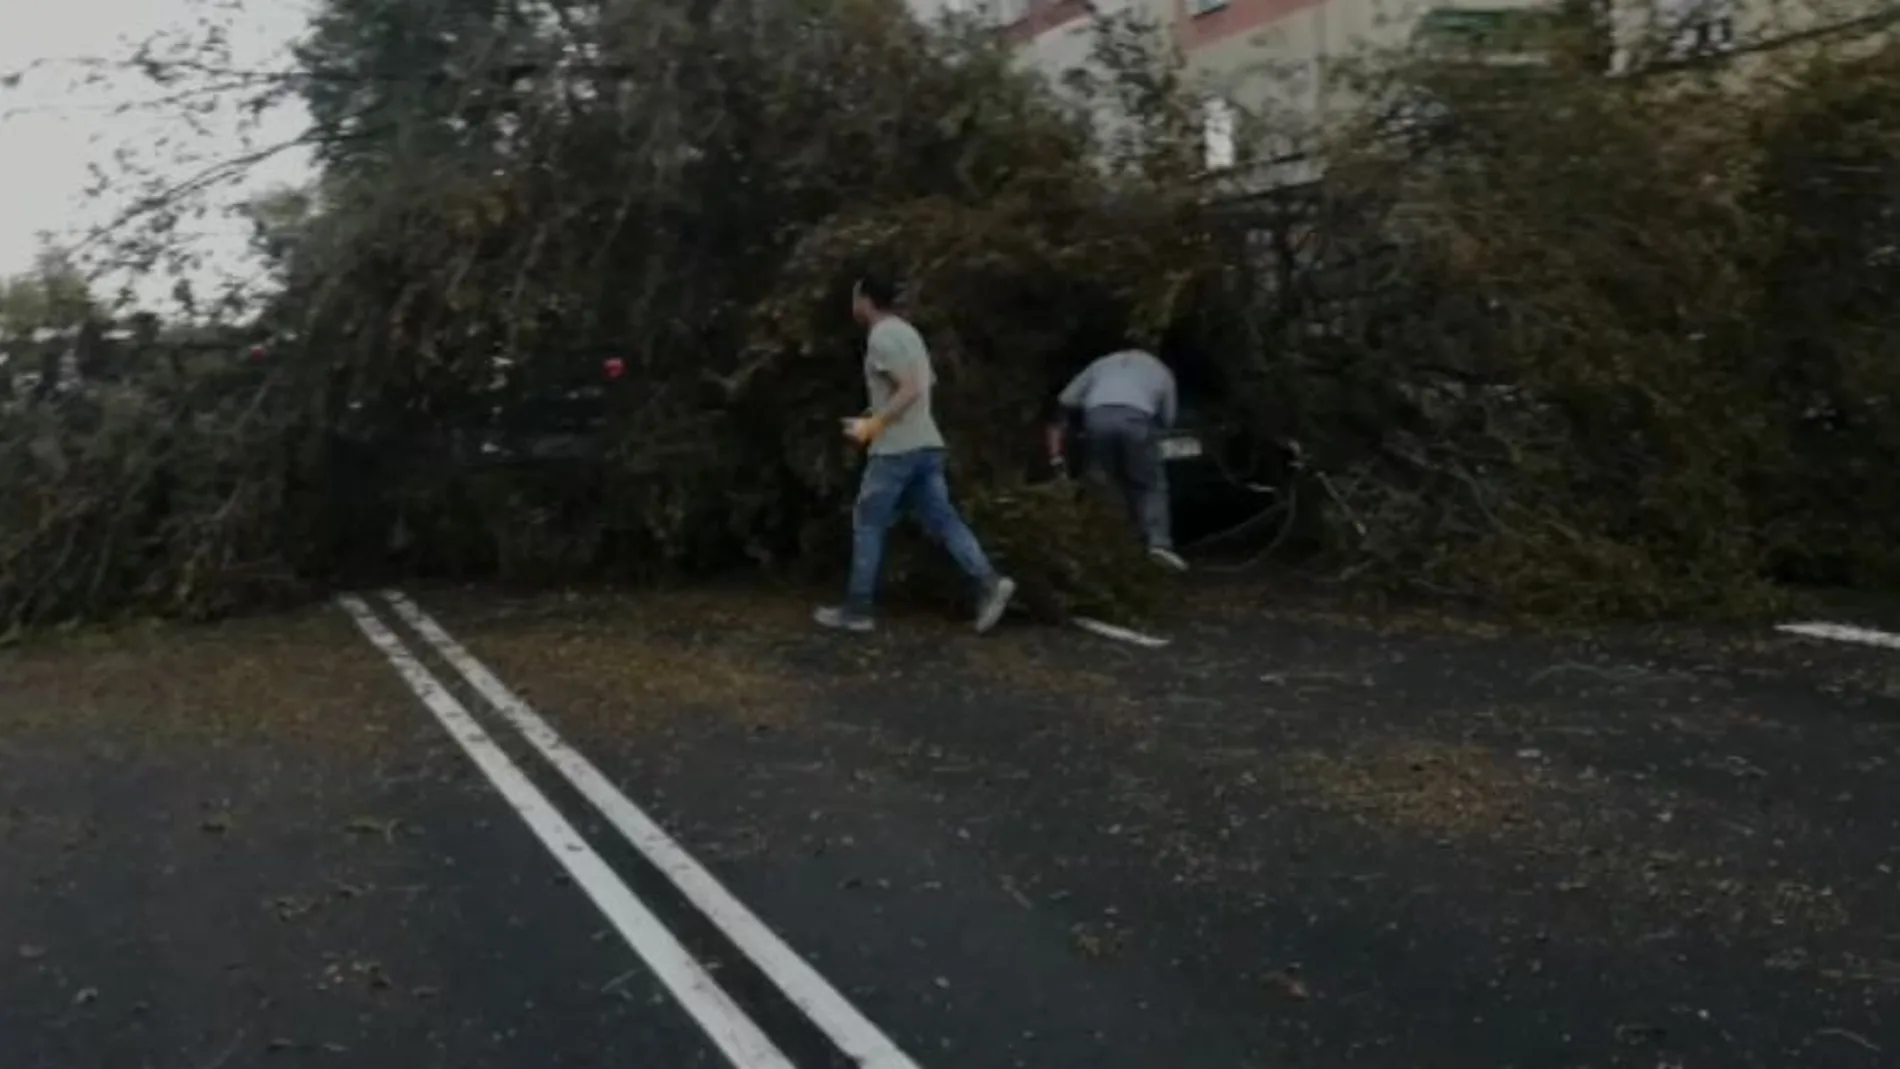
pixel 1130 378
pixel 893 350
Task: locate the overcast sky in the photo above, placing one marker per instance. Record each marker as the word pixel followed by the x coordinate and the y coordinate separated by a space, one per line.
pixel 50 132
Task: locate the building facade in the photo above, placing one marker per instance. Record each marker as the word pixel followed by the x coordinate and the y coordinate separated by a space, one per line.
pixel 1275 59
pixel 1282 63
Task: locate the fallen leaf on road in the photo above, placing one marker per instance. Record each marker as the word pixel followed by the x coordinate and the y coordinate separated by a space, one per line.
pixel 1289 985
pixel 373 826
pixel 1852 1037
pixel 29 952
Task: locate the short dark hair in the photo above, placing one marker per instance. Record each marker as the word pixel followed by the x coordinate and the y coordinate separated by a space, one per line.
pixel 878 287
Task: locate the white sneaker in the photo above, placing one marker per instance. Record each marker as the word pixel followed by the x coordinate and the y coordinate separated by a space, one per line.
pixel 839 618
pixel 1167 558
pixel 995 602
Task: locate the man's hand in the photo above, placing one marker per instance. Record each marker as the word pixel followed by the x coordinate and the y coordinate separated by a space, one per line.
pixel 863 429
pixel 1052 440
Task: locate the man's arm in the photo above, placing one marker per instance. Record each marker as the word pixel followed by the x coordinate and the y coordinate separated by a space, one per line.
pixel 1071 398
pixel 1077 391
pixel 909 383
pixel 1170 401
pixel 907 373
pixel 1052 439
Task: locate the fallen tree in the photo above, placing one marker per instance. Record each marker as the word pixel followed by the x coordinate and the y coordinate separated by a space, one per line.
pixel 1594 345
pixel 692 189
pixel 1567 343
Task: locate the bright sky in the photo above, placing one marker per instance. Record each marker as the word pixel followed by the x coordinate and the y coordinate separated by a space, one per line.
pixel 50 131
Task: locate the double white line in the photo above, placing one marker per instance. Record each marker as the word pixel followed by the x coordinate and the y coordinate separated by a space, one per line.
pixel 741 1040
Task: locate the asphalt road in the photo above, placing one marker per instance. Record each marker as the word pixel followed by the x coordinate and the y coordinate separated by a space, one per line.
pixel 684 830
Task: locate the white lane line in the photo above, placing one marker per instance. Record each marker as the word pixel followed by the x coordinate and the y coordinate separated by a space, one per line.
pixel 849 1030
pixel 736 1036
pixel 1864 636
pixel 1122 634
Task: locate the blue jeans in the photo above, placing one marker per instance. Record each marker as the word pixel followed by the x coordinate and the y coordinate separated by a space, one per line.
pixel 892 483
pixel 1125 451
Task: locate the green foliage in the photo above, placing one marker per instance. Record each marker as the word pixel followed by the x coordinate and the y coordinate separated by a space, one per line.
pixel 1072 548
pixel 1629 348
pixel 1069 547
pixel 692 189
pixel 1575 344
pixel 53 296
pixel 157 496
pixel 698 198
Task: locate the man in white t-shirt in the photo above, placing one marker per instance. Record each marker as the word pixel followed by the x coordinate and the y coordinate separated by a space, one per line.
pixel 905 467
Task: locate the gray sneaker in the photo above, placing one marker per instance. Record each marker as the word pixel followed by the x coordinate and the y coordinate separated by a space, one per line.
pixel 1167 558
pixel 995 602
pixel 839 618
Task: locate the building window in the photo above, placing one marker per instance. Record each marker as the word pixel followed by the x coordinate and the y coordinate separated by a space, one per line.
pixel 1197 8
pixel 1217 134
pixel 1001 12
pixel 1493 36
pixel 1694 28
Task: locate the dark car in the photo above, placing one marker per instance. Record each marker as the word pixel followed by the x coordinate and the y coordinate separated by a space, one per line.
pixel 557 411
pixel 554 413
pixel 560 423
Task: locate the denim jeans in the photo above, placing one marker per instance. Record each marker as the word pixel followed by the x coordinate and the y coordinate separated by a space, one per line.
pixel 894 482
pixel 1125 452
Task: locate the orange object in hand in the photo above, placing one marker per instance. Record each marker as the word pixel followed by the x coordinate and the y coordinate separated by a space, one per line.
pixel 863 430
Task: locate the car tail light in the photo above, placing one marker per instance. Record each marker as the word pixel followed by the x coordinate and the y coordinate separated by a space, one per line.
pixel 615 368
